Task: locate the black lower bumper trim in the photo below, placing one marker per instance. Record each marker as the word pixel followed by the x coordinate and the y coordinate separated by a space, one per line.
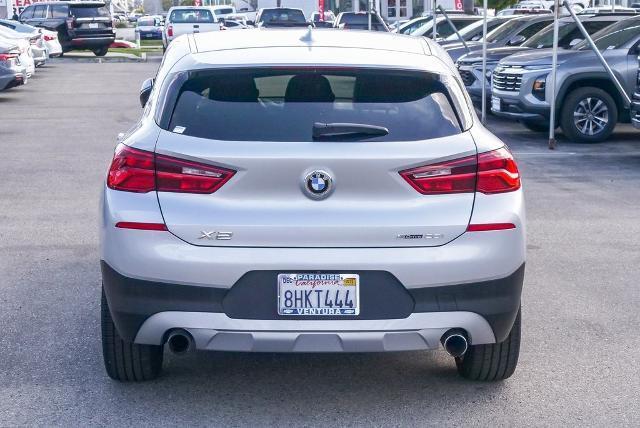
pixel 132 301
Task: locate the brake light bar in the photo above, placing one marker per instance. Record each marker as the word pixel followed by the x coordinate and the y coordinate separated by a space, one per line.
pixel 140 171
pixel 490 172
pixel 486 227
pixel 161 227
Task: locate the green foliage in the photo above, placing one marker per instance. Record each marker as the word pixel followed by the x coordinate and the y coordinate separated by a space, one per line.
pixel 187 3
pixel 166 4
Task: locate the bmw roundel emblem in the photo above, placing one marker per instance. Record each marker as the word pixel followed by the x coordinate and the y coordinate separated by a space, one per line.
pixel 318 184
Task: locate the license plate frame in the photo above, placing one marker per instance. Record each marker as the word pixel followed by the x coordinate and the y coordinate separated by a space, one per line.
pixel 496 104
pixel 318 294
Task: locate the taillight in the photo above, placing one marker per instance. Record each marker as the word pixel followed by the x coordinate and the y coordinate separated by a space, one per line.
pixel 170 31
pixel 455 176
pixel 489 172
pixel 49 38
pixel 140 171
pixel 8 56
pixel 497 172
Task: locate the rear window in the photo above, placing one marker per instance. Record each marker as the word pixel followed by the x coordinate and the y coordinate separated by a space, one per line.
pixel 146 22
pixel 225 11
pixel 191 16
pixel 283 15
pixel 284 104
pixel 89 11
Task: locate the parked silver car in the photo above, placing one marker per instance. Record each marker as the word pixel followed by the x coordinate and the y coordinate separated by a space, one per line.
pixel 12 72
pixel 365 209
pixel 589 105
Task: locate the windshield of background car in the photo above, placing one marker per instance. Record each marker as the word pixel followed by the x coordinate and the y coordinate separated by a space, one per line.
pixel 412 26
pixel 283 104
pixel 567 32
pixel 283 15
pixel 191 16
pixel 89 11
pixel 146 22
pixel 473 28
pixel 615 36
pixel 503 31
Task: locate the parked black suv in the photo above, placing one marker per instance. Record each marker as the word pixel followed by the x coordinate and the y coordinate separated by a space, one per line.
pixel 80 24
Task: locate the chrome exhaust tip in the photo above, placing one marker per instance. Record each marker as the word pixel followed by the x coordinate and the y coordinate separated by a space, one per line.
pixel 455 342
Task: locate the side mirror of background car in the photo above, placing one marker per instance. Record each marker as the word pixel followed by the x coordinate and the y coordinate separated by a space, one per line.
pixel 517 40
pixel 145 91
pixel 574 42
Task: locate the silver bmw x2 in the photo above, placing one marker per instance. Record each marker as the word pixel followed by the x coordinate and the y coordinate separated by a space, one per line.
pixel 310 191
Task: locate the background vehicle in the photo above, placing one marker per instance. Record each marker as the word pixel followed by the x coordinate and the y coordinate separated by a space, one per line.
pixel 221 12
pixel 35 38
pixel 327 22
pixel 79 24
pixel 12 73
pixel 512 33
pixel 470 65
pixel 206 230
pixel 149 27
pixel 443 29
pixel 474 32
pixel 577 5
pixel 281 17
pixel 188 20
pixel 49 38
pixel 25 43
pixel 589 106
pixel 359 21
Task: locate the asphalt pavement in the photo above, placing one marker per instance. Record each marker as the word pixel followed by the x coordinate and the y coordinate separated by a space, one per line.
pixel 579 359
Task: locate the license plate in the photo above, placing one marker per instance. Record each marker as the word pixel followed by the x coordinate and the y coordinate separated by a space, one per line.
pixel 318 294
pixel 495 103
pixel 93 25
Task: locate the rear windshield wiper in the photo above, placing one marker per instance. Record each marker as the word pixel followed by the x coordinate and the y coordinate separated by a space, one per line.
pixel 348 130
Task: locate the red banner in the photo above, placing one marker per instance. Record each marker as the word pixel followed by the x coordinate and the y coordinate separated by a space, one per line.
pixel 321 9
pixel 459 5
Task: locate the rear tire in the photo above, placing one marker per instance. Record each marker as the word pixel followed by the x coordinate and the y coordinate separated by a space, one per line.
pixel 101 51
pixel 126 361
pixel 581 103
pixel 493 362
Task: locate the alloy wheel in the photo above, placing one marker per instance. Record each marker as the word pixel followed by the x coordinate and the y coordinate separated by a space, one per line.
pixel 591 116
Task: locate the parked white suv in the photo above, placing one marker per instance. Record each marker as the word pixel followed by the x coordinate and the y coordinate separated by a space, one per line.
pixel 364 209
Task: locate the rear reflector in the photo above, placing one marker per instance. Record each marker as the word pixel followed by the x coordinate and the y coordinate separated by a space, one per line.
pixel 140 171
pixel 489 172
pixel 490 226
pixel 141 226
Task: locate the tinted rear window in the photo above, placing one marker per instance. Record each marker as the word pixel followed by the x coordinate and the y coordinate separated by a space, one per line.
pixel 225 11
pixel 89 11
pixel 282 15
pixel 283 105
pixel 191 16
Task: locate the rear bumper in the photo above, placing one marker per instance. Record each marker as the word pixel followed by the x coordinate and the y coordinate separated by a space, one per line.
pixel 244 317
pixel 90 42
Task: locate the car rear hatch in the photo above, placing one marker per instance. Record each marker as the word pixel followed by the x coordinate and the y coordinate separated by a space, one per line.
pixel 91 20
pixel 343 187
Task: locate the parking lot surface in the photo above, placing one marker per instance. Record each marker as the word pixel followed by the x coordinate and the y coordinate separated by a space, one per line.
pixel 579 359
